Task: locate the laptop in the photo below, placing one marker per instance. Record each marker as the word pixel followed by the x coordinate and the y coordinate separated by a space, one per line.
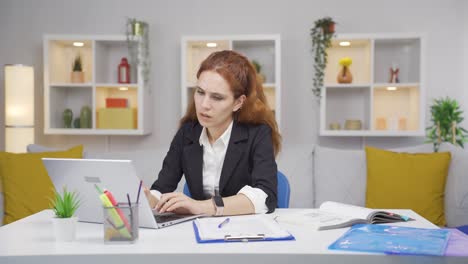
pixel 117 176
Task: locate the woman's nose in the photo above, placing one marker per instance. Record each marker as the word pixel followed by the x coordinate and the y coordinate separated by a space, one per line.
pixel 205 102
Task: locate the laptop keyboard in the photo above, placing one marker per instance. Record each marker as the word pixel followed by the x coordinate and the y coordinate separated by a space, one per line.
pixel 168 217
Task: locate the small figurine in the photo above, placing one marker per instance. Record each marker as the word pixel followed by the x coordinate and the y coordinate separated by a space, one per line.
pixel 394 70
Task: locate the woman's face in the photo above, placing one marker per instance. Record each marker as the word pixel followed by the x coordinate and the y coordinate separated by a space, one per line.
pixel 214 102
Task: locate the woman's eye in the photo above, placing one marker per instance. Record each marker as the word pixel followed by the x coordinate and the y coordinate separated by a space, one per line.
pixel 200 91
pixel 217 98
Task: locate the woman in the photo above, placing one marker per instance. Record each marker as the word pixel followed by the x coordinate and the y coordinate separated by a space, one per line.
pixel 225 146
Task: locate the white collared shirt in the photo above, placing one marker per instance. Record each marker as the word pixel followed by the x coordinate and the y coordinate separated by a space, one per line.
pixel 213 160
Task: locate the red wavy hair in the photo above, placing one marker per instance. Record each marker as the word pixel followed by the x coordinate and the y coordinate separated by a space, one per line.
pixel 237 70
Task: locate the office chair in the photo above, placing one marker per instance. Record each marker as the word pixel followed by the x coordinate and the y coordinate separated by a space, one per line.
pixel 284 191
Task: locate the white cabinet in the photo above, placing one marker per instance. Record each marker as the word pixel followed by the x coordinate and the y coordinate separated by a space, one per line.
pixel 374 104
pixel 264 49
pixel 100 57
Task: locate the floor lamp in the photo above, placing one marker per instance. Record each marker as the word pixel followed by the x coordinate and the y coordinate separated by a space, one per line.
pixel 19 107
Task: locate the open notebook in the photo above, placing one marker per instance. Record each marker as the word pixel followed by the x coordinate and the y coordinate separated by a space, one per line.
pixel 333 215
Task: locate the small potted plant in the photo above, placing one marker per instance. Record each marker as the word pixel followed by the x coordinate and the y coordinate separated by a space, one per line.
pixel 64 207
pixel 322 33
pixel 77 74
pixel 446 117
pixel 258 68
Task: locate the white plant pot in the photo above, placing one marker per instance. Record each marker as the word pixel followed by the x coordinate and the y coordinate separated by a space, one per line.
pixel 64 228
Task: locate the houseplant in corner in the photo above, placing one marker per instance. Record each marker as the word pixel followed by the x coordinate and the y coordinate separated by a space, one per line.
pixel 322 33
pixel 446 117
pixel 64 222
pixel 77 74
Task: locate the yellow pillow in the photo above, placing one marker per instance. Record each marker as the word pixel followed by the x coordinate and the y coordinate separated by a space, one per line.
pixel 26 185
pixel 408 181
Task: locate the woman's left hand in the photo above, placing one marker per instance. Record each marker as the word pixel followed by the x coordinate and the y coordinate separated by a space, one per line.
pixel 179 203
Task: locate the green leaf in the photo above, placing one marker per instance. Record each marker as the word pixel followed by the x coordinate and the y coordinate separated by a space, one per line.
pixel 64 206
pixel 445 112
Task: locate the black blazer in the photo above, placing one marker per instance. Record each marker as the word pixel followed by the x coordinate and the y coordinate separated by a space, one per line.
pixel 249 160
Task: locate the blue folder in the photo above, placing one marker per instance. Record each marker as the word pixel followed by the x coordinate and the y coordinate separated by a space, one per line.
pixel 393 240
pixel 246 238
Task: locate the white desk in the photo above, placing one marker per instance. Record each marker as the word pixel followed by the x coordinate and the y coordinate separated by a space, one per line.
pixel 31 240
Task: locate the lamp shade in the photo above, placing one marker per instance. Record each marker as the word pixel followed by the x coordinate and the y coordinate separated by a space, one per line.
pixel 19 107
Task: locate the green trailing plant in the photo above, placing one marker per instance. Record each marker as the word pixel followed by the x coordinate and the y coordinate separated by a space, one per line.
pixel 322 34
pixel 77 64
pixel 446 117
pixel 64 206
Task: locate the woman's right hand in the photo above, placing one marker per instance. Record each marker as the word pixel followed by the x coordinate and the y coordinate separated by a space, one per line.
pixel 152 200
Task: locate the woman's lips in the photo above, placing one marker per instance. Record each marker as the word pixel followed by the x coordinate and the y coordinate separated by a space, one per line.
pixel 205 116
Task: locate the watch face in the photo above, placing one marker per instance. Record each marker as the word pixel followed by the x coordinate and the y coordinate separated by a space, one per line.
pixel 218 201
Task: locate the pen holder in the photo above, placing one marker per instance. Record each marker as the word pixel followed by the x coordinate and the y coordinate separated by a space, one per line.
pixel 121 223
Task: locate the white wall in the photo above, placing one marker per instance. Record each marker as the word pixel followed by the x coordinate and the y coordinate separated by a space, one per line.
pixel 23 22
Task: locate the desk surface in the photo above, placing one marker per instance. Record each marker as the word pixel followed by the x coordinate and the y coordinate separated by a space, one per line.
pixel 31 240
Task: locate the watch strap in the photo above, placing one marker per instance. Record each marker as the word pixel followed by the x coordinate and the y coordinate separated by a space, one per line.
pixel 219 205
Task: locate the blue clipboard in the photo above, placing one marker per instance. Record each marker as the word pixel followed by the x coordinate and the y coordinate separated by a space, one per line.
pixel 246 238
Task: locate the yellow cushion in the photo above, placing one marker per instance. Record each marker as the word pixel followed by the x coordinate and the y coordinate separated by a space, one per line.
pixel 408 181
pixel 26 185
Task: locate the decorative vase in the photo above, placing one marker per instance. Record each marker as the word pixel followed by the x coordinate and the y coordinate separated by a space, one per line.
pixel 67 117
pixel 344 76
pixel 85 117
pixel 76 123
pixel 77 77
pixel 64 228
pixel 353 124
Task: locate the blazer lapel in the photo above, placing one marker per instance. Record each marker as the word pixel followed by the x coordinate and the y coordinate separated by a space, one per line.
pixel 233 153
pixel 193 156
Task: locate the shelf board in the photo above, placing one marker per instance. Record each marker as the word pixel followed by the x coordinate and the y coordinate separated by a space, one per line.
pixel 84 85
pixel 372 133
pixel 348 85
pixel 117 85
pixel 402 85
pixel 83 131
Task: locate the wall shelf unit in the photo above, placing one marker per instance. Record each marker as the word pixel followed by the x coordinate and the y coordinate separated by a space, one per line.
pixel 265 49
pixel 101 56
pixel 382 108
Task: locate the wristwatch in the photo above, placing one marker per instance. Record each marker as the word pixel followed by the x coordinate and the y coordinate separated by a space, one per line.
pixel 219 205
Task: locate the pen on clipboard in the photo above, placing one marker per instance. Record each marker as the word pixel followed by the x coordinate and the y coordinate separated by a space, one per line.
pixel 223 223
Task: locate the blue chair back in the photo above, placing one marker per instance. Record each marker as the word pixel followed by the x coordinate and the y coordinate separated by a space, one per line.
pixel 186 190
pixel 284 191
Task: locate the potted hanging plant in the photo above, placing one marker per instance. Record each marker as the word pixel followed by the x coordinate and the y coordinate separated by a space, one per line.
pixel 64 222
pixel 322 33
pixel 446 117
pixel 77 74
